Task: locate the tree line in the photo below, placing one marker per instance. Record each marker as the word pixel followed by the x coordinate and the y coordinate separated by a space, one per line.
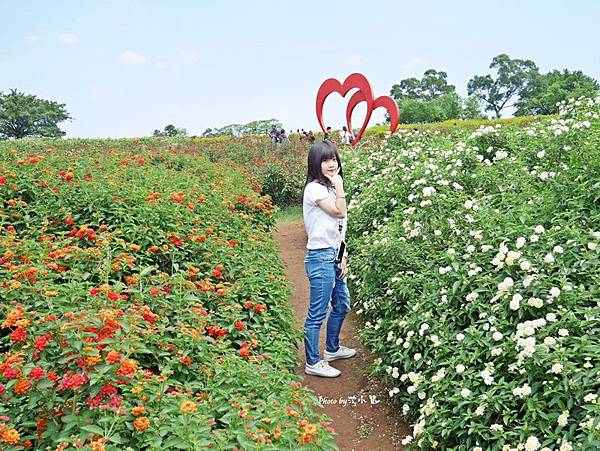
pixel 513 83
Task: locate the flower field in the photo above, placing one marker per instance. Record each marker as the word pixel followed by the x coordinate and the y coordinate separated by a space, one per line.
pixel 141 306
pixel 475 265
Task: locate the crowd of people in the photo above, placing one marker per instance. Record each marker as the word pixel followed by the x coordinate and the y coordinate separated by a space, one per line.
pixel 281 137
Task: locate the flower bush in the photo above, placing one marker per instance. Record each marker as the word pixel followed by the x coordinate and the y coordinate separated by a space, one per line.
pixel 141 306
pixel 475 265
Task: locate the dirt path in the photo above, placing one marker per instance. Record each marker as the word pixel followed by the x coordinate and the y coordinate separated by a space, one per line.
pixel 356 403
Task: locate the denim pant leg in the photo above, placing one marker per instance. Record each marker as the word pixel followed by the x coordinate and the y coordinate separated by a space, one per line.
pixel 320 269
pixel 340 306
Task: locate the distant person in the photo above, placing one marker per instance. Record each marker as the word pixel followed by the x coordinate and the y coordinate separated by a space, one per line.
pixel 345 136
pixel 282 137
pixel 273 135
pixel 327 135
pixel 310 137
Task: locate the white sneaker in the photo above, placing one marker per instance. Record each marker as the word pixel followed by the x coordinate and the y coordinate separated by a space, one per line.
pixel 322 368
pixel 342 353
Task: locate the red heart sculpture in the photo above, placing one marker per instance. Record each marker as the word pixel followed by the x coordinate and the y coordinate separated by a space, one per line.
pixel 382 101
pixel 364 94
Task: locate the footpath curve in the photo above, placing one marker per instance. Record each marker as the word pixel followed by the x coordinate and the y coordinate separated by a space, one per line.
pixel 357 403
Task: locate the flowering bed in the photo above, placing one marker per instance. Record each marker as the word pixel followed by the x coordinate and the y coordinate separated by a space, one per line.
pixel 141 306
pixel 476 268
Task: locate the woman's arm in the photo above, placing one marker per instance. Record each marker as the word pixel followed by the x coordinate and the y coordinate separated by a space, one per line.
pixel 336 208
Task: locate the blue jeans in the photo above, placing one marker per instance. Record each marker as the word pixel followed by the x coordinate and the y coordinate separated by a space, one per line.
pixel 325 286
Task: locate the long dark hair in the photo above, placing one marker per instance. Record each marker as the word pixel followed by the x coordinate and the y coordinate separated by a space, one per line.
pixel 318 153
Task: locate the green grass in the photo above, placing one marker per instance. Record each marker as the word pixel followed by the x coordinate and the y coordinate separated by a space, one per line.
pixel 289 214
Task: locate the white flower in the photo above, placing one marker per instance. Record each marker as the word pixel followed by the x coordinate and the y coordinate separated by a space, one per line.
pixel 592 246
pixel 417 357
pixel 472 296
pixel 556 368
pixel 539 229
pixel 566 446
pixel 496 427
pixel 515 302
pixel 405 409
pixel 551 317
pixel 469 204
pixel 541 154
pixel 479 411
pixel 554 292
pixel 549 258
pixel 590 397
pixel 532 444
pixel 465 393
pixel 497 336
pixel 527 281
pixel 535 302
pixel 563 332
pixel 534 238
pixel 460 368
pixel 428 191
pixel 562 419
pixel 521 242
pixel 445 269
pixel 406 440
pixel 506 284
pixel 437 232
pixel 549 341
pixel 558 250
pixel 496 352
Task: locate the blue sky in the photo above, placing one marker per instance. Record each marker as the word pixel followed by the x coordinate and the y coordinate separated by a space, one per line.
pixel 125 68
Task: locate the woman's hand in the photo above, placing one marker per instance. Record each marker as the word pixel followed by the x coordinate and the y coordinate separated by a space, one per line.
pixel 344 268
pixel 336 179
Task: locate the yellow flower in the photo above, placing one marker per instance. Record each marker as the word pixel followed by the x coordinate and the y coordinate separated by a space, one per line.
pixel 188 407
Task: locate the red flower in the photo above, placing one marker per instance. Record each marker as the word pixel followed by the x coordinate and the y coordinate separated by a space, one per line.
pixel 217 274
pixel 18 335
pixel 154 292
pixel 113 296
pixel 94 291
pixel 41 342
pixel 2 181
pixel 240 325
pixel 37 373
pixel 11 372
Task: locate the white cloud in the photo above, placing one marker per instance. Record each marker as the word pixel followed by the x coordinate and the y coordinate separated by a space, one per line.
pixel 189 56
pixel 131 57
pixel 68 38
pixel 33 38
pixel 355 59
pixel 414 62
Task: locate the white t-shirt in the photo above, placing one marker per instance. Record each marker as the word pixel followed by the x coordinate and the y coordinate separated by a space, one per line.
pixel 323 230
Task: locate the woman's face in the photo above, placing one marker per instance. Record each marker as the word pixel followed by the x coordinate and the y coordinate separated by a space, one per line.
pixel 329 167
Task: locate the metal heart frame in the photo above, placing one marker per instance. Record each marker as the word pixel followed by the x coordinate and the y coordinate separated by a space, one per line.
pixel 364 94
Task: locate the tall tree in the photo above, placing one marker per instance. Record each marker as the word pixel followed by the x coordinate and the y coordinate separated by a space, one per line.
pixel 544 91
pixel 513 75
pixel 25 115
pixel 433 84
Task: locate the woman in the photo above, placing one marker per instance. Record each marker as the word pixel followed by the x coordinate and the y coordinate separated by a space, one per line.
pixel 324 209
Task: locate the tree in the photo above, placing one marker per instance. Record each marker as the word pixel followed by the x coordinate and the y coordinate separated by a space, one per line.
pixel 438 109
pixel 25 115
pixel 261 127
pixel 544 91
pixel 433 84
pixel 471 108
pixel 513 75
pixel 170 130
